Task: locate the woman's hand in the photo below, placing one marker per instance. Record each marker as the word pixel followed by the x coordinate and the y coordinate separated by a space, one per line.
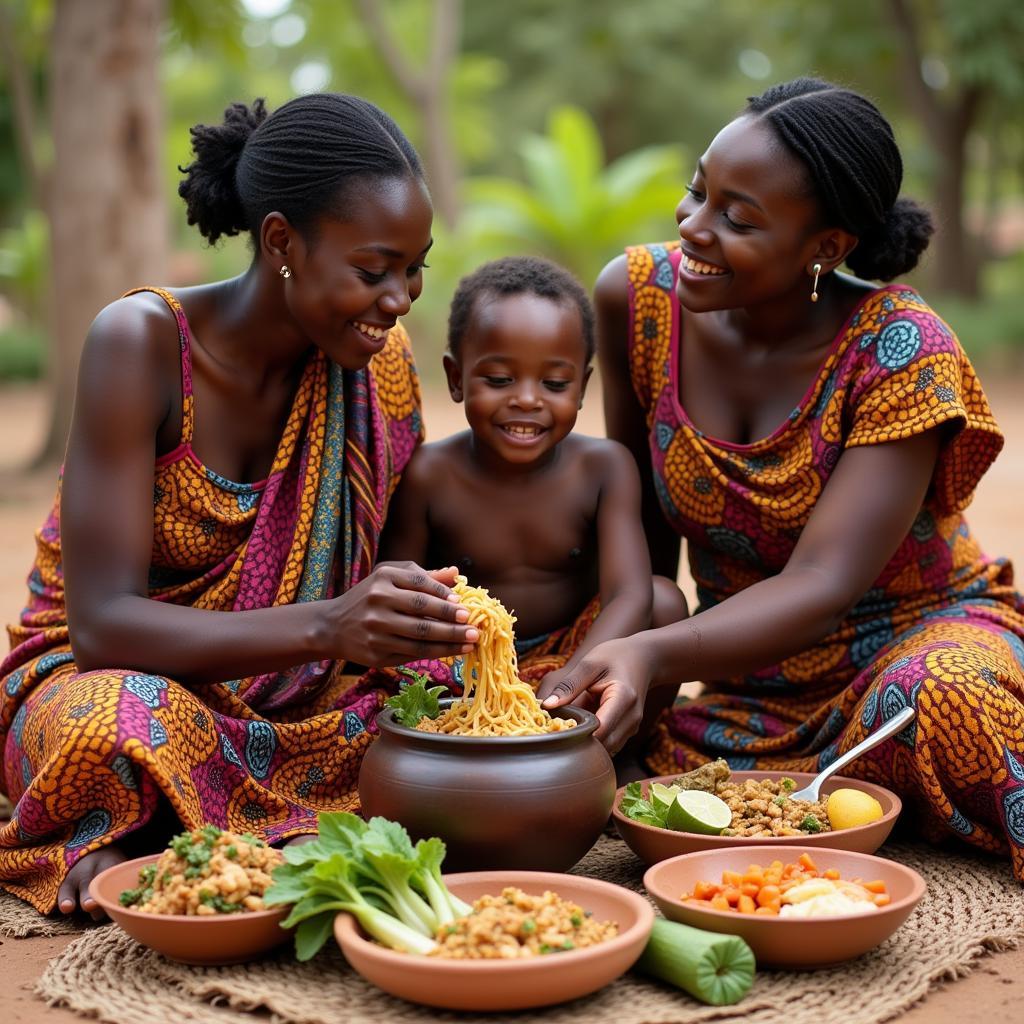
pixel 400 612
pixel 615 675
pixel 552 683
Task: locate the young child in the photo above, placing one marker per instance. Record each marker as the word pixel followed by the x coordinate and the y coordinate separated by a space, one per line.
pixel 547 520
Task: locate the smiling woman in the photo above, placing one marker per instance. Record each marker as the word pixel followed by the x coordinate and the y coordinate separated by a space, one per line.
pixel 815 438
pixel 207 570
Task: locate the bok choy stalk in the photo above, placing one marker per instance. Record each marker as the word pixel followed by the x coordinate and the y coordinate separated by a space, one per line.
pixel 371 870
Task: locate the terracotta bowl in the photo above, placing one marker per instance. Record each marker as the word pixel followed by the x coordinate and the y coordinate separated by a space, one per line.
pixel 206 941
pixel 483 985
pixel 652 844
pixel 534 803
pixel 792 943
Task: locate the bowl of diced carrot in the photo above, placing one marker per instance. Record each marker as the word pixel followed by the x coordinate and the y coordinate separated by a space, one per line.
pixel 810 907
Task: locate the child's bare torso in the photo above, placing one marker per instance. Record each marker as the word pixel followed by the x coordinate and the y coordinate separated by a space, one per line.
pixel 529 537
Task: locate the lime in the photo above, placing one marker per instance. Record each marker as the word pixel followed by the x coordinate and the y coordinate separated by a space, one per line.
pixel 661 797
pixel 848 808
pixel 693 810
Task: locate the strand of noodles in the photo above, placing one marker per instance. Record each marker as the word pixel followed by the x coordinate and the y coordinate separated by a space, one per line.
pixel 497 702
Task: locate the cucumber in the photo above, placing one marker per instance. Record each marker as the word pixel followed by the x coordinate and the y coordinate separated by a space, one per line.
pixel 714 968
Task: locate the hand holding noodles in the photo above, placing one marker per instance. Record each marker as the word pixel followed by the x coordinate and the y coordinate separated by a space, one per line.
pixel 497 701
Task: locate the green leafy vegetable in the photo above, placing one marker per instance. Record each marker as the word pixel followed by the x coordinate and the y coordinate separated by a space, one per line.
pixel 810 824
pixel 415 700
pixel 635 806
pixel 373 871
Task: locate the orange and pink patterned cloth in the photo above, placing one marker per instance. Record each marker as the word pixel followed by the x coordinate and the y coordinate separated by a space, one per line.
pixel 89 757
pixel 941 629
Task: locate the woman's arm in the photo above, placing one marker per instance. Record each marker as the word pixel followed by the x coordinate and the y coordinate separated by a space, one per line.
pixel 861 518
pixel 127 381
pixel 625 420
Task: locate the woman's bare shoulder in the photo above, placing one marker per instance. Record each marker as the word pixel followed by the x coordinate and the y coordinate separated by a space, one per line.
pixel 136 326
pixel 611 290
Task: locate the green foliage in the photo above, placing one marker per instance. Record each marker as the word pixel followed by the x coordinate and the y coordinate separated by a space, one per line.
pixel 571 207
pixel 22 353
pixel 645 72
pixel 24 264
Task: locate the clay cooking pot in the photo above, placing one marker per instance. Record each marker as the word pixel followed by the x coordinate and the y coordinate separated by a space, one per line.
pixel 529 802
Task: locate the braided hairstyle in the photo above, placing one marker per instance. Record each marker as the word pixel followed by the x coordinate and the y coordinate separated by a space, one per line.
pixel 302 160
pixel 855 171
pixel 518 275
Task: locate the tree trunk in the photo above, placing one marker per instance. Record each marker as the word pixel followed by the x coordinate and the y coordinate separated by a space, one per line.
pixel 108 229
pixel 429 91
pixel 947 127
pixel 957 256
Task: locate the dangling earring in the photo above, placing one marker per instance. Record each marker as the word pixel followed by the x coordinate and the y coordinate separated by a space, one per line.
pixel 814 290
pixel 285 271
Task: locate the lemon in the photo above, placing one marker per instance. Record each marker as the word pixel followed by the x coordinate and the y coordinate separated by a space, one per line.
pixel 693 810
pixel 848 808
pixel 661 797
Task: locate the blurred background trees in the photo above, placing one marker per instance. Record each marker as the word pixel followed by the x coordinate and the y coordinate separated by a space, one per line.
pixel 561 127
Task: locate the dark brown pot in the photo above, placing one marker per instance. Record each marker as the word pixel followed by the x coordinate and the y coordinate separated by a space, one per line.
pixel 531 802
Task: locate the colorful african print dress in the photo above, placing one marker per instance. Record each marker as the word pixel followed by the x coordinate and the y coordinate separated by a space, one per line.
pixel 88 757
pixel 941 628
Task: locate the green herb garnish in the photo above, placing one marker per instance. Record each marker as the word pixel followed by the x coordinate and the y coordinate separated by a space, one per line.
pixel 218 903
pixel 637 808
pixel 810 824
pixel 415 700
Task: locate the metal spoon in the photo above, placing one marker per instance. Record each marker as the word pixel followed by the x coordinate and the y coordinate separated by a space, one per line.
pixel 895 724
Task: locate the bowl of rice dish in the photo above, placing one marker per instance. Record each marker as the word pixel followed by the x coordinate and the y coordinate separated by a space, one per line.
pixel 534 939
pixel 200 901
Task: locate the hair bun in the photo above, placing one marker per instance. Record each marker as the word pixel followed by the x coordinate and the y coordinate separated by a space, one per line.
pixel 896 247
pixel 208 187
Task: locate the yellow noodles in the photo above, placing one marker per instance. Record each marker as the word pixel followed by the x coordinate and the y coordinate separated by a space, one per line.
pixel 497 702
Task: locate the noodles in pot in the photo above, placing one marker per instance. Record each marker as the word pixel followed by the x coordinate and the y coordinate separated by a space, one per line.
pixel 496 702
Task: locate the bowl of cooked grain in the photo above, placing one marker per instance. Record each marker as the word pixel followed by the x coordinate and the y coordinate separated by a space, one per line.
pixel 535 938
pixel 760 809
pixel 198 902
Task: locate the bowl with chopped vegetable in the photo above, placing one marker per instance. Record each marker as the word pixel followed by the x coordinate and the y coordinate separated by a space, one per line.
pixel 487 940
pixel 798 907
pixel 526 939
pixel 714 807
pixel 201 901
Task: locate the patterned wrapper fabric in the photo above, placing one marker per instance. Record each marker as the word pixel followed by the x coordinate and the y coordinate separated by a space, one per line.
pixel 88 757
pixel 942 626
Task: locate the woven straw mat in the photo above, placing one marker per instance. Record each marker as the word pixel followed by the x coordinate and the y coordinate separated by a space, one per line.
pixel 973 905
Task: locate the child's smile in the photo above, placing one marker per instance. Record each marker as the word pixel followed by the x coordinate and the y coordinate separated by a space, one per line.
pixel 521 372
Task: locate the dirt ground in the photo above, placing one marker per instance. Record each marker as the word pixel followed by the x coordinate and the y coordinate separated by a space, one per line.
pixel 986 995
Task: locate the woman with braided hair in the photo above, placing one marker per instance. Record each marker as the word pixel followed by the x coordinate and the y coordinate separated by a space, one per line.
pixel 206 573
pixel 815 438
